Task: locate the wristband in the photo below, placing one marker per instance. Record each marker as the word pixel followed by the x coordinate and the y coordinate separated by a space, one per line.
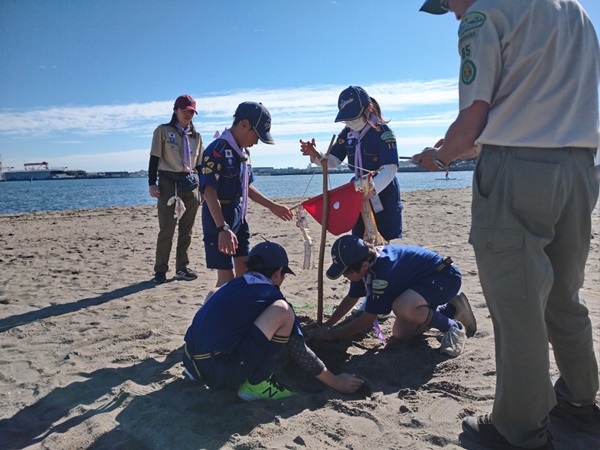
pixel 440 164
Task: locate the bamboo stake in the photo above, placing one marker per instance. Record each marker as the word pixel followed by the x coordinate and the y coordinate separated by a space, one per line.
pixel 324 220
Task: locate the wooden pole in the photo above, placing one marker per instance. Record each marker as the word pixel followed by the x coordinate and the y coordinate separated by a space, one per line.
pixel 324 220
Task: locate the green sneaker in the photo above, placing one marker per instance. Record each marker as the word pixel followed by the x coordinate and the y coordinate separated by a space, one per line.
pixel 268 389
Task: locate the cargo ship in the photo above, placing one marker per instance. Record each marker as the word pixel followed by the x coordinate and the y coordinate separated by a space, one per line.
pixel 40 171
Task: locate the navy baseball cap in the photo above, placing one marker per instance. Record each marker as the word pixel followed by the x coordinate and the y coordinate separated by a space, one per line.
pixel 269 255
pixel 351 103
pixel 186 103
pixel 259 118
pixel 346 251
pixel 433 7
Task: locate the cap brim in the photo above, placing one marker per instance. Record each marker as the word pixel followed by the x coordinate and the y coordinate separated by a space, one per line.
pixel 335 271
pixel 433 7
pixel 344 116
pixel 265 136
pixel 287 270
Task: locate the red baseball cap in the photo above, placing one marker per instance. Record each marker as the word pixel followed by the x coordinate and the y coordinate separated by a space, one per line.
pixel 186 103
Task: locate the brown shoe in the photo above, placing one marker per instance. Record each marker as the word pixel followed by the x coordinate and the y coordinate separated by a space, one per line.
pixel 584 418
pixel 481 430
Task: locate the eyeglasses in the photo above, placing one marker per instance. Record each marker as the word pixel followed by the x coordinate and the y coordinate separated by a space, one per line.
pixel 445 5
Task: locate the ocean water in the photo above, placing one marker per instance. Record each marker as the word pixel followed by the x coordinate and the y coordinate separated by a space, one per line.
pixel 59 195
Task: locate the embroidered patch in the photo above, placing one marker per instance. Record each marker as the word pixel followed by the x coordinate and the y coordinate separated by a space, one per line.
pixel 469 35
pixel 219 167
pixel 206 170
pixel 228 153
pixel 216 154
pixel 206 158
pixel 341 141
pixel 388 136
pixel 470 22
pixel 379 285
pixel 171 136
pixel 468 72
pixel 210 164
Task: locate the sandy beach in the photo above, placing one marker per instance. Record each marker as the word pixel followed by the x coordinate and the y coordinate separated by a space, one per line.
pixel 91 348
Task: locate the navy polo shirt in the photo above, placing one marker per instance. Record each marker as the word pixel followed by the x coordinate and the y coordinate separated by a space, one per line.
pixel 221 169
pixel 394 271
pixel 225 318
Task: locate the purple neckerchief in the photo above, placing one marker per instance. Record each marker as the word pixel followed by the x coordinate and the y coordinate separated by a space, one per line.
pixel 367 279
pixel 358 162
pixel 256 278
pixel 243 154
pixel 187 159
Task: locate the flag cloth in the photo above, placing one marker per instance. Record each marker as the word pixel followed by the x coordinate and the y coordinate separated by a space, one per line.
pixel 345 203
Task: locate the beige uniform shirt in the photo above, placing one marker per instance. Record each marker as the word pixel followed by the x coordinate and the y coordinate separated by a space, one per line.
pixel 167 144
pixel 537 64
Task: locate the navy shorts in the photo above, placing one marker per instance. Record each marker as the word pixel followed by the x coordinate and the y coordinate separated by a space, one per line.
pixel 232 213
pixel 227 371
pixel 441 287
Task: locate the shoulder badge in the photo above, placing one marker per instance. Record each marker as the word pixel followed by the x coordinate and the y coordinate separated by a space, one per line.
pixel 379 285
pixel 470 22
pixel 388 136
pixel 468 72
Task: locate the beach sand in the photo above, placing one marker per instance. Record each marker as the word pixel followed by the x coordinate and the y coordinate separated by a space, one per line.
pixel 91 349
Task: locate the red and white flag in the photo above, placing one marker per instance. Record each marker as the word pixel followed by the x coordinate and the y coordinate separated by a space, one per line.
pixel 345 203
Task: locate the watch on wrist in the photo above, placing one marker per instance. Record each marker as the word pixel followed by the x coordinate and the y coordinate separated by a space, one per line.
pixel 439 164
pixel 223 228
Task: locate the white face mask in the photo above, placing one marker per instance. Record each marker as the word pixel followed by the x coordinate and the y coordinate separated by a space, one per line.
pixel 356 124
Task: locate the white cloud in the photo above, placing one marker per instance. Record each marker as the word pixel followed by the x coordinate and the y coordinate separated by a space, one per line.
pixel 312 107
pixel 419 113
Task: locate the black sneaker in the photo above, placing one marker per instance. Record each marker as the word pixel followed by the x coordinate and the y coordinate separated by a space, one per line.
pixel 481 430
pixel 584 418
pixel 186 274
pixel 160 277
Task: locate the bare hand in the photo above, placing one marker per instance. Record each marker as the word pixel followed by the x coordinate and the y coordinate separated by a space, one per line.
pixel 347 384
pixel 309 148
pixel 154 191
pixel 283 212
pixel 425 159
pixel 228 242
pixel 321 332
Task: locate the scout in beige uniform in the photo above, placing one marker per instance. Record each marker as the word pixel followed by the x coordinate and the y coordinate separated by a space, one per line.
pixel 529 101
pixel 175 153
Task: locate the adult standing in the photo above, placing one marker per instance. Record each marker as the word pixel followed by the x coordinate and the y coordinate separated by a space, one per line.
pixel 528 96
pixel 174 156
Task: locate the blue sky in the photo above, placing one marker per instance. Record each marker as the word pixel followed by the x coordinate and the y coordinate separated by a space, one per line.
pixel 84 83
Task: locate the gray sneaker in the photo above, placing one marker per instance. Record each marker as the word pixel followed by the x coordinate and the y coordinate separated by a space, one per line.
pixel 453 341
pixel 464 313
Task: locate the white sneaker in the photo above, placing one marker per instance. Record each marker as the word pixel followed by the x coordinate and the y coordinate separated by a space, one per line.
pixel 453 341
pixel 360 308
